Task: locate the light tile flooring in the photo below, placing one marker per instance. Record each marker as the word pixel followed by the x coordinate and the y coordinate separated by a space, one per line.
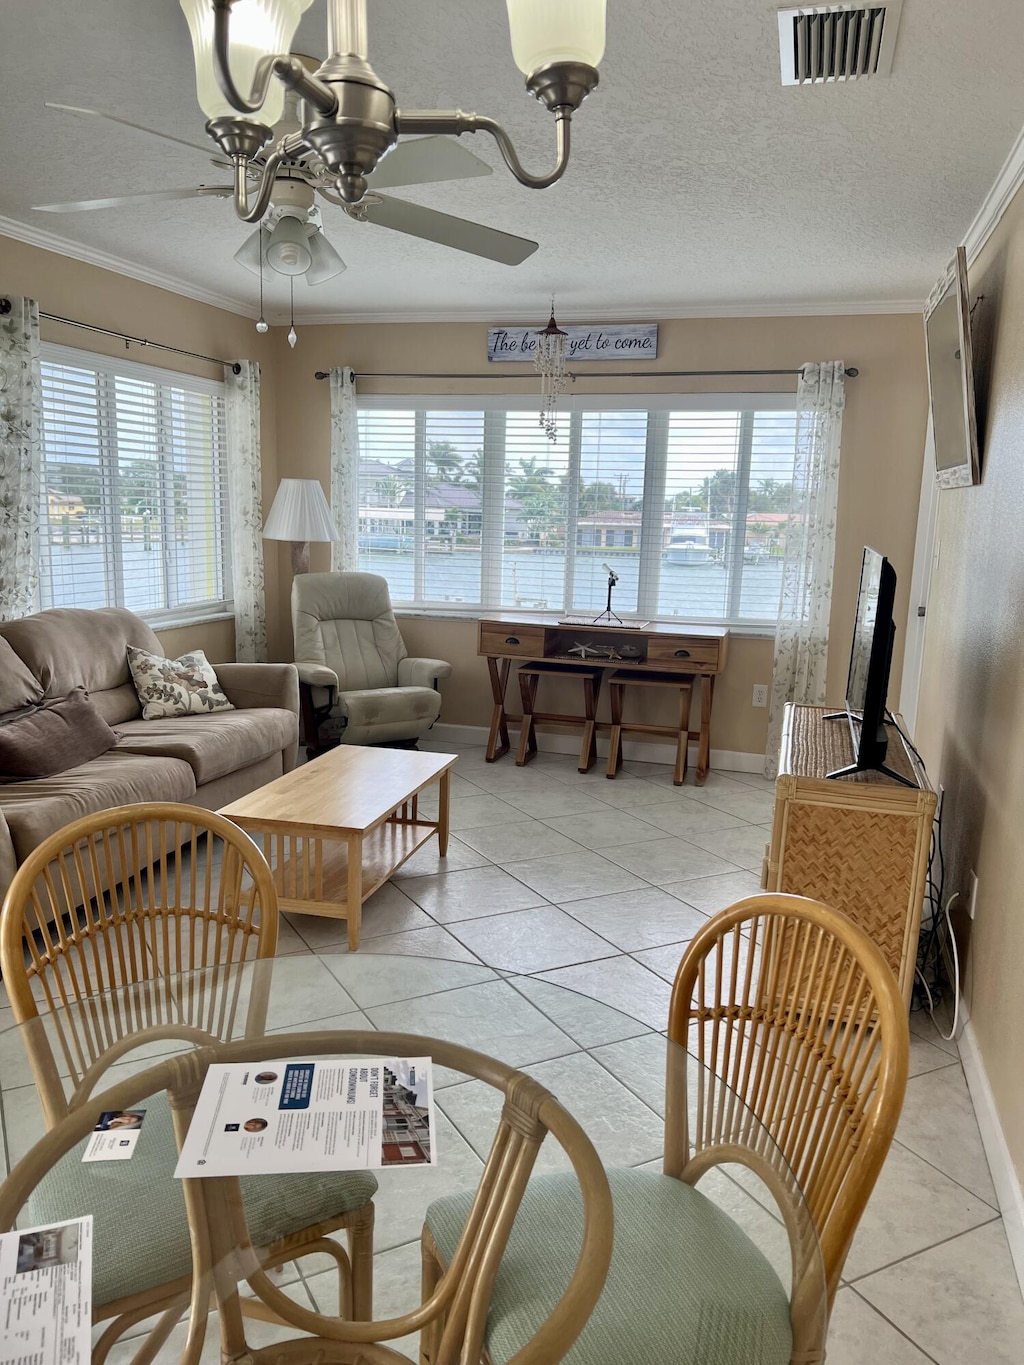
pixel 558 877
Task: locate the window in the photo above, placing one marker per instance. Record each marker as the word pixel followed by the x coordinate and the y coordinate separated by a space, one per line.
pixel 465 503
pixel 134 486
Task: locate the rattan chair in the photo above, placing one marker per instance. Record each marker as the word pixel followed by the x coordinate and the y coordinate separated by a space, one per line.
pixel 797 1039
pixel 97 929
pixel 454 1313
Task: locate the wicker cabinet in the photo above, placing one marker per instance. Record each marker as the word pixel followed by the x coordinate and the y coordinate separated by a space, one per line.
pixel 858 843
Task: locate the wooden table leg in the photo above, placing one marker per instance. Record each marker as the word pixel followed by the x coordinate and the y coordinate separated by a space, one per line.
pixel 588 746
pixel 617 692
pixel 354 895
pixel 443 798
pixel 499 721
pixel 707 691
pixel 683 742
pixel 528 684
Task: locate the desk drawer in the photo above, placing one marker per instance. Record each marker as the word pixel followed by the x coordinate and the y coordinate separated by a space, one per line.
pixel 511 642
pixel 693 655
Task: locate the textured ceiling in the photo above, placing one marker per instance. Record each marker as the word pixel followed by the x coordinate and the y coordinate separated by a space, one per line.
pixel 697 181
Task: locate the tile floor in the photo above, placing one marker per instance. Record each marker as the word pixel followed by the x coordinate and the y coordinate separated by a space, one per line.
pixel 558 877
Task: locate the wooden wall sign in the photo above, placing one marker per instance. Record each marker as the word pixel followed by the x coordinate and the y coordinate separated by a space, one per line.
pixel 621 341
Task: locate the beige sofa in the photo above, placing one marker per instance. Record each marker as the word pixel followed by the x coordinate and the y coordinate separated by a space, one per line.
pixel 205 760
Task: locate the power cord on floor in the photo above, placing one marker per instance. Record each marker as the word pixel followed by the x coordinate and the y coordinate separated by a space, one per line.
pixel 951 944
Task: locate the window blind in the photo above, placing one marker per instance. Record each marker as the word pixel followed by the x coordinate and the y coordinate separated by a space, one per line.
pixel 134 487
pixel 467 504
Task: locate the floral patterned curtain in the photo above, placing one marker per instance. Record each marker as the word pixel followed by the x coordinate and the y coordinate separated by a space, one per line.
pixel 245 490
pixel 21 434
pixel 801 634
pixel 344 470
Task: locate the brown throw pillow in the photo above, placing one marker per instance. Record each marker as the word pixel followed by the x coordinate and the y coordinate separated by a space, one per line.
pixel 52 737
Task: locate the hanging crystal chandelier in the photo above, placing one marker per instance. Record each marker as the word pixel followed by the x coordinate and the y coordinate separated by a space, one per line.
pixel 549 361
pixel 352 120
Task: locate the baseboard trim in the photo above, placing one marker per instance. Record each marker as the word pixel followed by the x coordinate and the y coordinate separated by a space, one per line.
pixel 1004 1174
pixel 725 760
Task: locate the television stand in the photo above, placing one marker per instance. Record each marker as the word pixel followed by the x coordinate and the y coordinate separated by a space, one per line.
pixel 878 766
pixel 860 845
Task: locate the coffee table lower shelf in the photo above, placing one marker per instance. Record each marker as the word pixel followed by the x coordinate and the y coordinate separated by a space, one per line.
pixel 334 875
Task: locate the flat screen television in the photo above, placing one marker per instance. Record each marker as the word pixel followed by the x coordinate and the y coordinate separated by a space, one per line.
pixel 867 682
pixel 947 331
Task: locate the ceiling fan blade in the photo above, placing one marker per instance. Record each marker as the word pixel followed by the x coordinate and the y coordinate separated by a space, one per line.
pixel 459 233
pixel 149 196
pixel 127 123
pixel 425 161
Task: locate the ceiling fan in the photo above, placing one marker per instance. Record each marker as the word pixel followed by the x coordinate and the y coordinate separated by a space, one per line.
pixel 291 238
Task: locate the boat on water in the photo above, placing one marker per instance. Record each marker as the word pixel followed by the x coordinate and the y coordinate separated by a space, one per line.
pixel 689 545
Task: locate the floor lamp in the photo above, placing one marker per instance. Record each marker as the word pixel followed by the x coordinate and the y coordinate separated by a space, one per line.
pixel 300 514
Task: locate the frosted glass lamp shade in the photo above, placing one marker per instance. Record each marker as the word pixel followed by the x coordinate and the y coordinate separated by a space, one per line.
pixel 326 261
pixel 248 254
pixel 300 512
pixel 288 252
pixel 258 28
pixel 544 31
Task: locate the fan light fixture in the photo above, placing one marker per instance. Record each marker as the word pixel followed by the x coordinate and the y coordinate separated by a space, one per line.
pixel 318 259
pixel 352 119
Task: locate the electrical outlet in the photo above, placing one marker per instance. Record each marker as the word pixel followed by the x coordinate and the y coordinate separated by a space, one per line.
pixel 760 697
pixel 972 894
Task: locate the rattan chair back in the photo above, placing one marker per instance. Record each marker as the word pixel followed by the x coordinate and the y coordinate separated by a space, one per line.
pixel 456 1310
pixel 131 897
pixel 792 1006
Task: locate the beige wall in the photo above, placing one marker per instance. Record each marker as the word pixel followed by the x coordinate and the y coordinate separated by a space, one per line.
pixel 971 713
pixel 87 293
pixel 883 437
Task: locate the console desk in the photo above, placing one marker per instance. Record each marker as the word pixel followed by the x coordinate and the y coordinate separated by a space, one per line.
pixel 508 638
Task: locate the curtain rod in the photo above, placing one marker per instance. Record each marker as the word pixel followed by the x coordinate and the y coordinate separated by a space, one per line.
pixel 5 307
pixel 852 373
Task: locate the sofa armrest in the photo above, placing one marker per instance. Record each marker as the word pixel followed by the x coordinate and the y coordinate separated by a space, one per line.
pixel 252 685
pixel 317 675
pixel 422 672
pixel 8 857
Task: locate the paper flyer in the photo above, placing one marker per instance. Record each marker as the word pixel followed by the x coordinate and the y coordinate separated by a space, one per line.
pixel 46 1284
pixel 115 1135
pixel 277 1117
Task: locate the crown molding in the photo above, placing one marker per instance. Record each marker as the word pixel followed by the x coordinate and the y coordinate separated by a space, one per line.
pixel 997 201
pixel 495 318
pixel 50 241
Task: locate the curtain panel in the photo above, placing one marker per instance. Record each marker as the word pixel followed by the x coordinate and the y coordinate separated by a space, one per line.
pixel 245 490
pixel 801 635
pixel 21 435
pixel 344 470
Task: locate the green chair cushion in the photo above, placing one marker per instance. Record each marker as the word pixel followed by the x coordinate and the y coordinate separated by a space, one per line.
pixel 686 1285
pixel 140 1233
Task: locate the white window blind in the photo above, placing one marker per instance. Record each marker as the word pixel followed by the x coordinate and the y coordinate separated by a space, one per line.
pixel 466 503
pixel 134 487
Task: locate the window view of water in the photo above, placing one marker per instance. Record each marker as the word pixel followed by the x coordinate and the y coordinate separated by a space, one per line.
pixel 696 592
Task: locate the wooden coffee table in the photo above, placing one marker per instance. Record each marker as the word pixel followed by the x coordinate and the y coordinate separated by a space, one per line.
pixel 336 828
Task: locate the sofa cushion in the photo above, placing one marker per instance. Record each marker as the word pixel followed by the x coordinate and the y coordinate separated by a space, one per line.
pixel 19 687
pixel 213 745
pixel 71 647
pixel 52 737
pixel 35 810
pixel 176 687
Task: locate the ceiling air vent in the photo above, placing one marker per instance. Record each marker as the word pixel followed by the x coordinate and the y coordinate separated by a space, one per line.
pixel 842 42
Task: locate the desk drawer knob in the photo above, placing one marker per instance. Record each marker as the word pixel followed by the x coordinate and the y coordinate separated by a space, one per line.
pixel 511 639
pixel 682 653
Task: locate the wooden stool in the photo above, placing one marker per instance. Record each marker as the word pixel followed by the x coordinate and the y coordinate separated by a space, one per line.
pixel 618 682
pixel 529 677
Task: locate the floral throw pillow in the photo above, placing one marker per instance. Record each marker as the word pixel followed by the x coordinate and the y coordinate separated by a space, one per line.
pixel 176 687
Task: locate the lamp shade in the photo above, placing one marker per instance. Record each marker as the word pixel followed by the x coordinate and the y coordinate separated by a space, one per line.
pixel 248 254
pixel 544 31
pixel 326 261
pixel 258 28
pixel 300 512
pixel 288 250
